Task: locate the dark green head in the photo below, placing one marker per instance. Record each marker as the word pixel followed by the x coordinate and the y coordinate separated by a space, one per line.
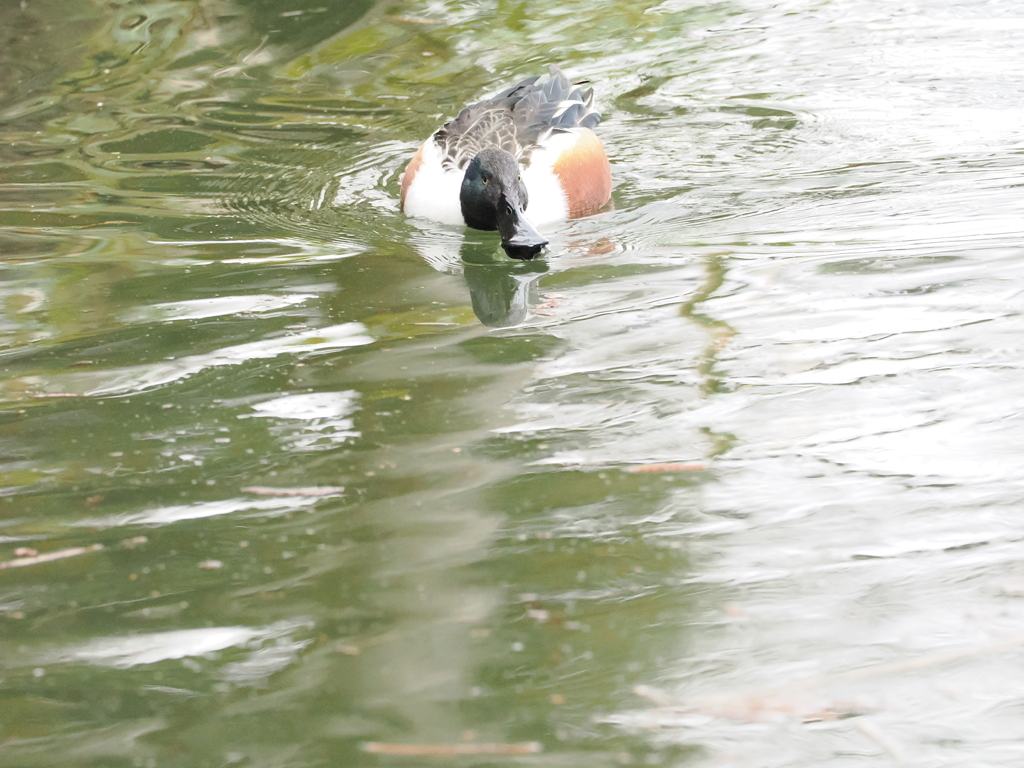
pixel 493 197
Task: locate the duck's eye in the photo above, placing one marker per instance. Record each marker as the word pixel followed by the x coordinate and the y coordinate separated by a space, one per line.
pixel 485 179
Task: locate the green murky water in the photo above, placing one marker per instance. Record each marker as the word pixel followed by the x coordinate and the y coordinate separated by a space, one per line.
pixel 731 478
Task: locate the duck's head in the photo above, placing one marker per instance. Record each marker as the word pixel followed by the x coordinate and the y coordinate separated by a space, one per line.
pixel 493 196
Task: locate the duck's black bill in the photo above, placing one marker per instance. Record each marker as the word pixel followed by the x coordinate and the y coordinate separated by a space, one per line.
pixel 525 243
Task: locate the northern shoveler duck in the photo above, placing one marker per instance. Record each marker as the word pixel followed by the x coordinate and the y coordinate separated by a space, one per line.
pixel 527 155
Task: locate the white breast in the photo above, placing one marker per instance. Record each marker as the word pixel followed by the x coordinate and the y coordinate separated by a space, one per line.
pixel 547 199
pixel 434 191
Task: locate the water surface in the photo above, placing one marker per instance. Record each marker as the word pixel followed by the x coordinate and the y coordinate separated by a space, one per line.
pixel 732 477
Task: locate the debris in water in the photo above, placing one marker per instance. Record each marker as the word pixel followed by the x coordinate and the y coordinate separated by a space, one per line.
pixel 46 557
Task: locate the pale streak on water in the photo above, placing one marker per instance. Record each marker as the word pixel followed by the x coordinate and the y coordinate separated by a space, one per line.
pixel 810 285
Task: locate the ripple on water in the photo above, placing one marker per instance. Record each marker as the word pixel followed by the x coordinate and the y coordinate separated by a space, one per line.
pixel 139 378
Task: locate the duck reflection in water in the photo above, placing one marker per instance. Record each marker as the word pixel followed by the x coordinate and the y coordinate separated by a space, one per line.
pixel 502 291
pixel 503 294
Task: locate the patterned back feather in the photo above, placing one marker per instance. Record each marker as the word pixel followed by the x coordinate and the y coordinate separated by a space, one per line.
pixel 517 118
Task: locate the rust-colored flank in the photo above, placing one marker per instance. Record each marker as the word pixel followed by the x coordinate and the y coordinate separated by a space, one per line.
pixel 585 175
pixel 410 172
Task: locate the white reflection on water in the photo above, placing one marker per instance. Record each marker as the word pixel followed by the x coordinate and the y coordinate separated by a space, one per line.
pixel 310 407
pixel 128 651
pixel 326 415
pixel 197 309
pixel 177 513
pixel 278 250
pixel 263 662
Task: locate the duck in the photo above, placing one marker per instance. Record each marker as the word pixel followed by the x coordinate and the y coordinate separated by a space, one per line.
pixel 523 158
